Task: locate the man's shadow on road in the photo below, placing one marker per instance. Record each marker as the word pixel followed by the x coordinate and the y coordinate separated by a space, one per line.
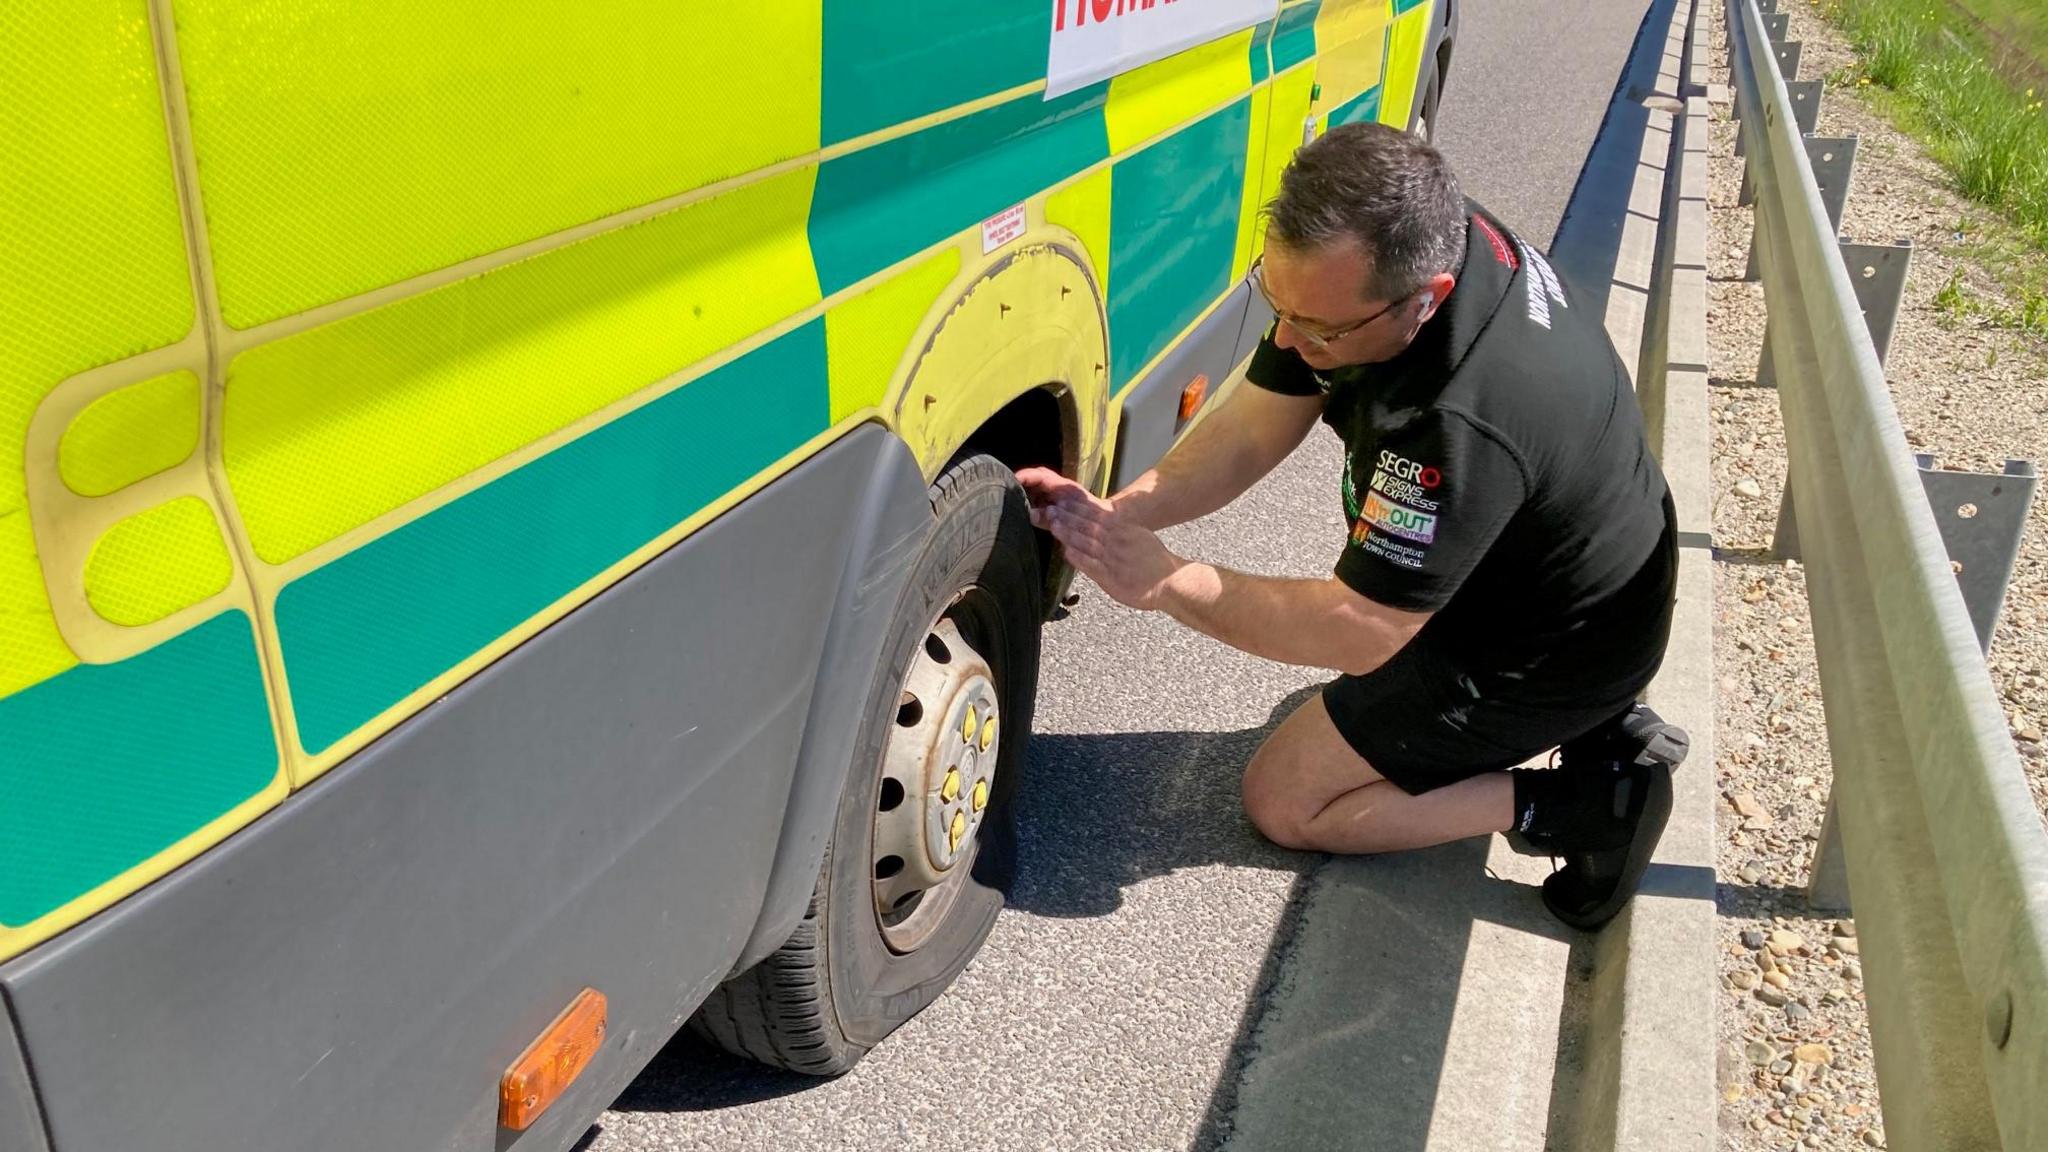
pixel 1100 813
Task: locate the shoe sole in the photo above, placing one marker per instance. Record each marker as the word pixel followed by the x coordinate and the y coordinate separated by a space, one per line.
pixel 1667 745
pixel 1649 830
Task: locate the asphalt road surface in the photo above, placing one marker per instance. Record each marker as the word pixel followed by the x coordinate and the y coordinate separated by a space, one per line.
pixel 1114 1004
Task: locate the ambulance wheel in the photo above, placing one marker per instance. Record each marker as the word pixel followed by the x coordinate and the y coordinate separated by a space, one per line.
pixel 922 849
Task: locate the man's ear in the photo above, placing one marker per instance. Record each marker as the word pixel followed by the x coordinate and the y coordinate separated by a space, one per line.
pixel 1433 295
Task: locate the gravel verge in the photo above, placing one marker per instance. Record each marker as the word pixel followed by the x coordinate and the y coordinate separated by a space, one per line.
pixel 1796 1067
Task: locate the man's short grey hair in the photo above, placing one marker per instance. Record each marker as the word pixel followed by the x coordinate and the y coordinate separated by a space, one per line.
pixel 1384 188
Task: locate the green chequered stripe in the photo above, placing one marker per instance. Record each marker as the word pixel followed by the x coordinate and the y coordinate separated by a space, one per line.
pixel 365 631
pixel 886 63
pixel 1362 107
pixel 161 743
pixel 1294 35
pixel 876 206
pixel 1174 213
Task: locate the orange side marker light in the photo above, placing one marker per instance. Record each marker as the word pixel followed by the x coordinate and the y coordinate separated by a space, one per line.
pixel 552 1062
pixel 1191 397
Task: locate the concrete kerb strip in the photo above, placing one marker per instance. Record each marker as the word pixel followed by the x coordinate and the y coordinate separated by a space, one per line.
pixel 1634 1042
pixel 1651 1069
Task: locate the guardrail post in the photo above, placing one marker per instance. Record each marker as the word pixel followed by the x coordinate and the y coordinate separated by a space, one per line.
pixel 1805 105
pixel 1834 166
pixel 1788 58
pixel 1980 515
pixel 1877 272
pixel 1805 113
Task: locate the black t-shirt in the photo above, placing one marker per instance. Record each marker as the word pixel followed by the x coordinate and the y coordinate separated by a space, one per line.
pixel 1497 474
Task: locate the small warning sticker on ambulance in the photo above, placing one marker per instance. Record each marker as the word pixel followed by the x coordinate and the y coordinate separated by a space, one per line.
pixel 1002 228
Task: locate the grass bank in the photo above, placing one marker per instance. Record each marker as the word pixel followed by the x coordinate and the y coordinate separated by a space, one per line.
pixel 1963 77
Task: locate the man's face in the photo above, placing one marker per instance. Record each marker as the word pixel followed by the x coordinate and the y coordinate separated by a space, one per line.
pixel 1321 291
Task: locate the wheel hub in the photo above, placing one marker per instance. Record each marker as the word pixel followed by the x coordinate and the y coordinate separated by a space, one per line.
pixel 938 774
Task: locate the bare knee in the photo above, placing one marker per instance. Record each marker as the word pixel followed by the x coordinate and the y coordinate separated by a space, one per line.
pixel 1272 799
pixel 1284 791
pixel 1297 772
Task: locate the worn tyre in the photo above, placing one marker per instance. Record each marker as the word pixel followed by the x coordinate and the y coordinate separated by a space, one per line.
pixel 860 964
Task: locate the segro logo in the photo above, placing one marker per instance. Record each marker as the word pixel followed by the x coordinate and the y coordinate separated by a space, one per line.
pixel 1402 468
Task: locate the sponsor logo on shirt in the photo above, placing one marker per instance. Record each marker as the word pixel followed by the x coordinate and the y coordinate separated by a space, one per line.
pixel 1542 283
pixel 1399 519
pixel 1403 492
pixel 1392 551
pixel 1402 468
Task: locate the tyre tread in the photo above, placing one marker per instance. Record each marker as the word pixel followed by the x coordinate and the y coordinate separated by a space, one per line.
pixel 777 1012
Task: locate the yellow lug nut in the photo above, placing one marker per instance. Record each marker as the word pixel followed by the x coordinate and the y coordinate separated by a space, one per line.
pixel 951 787
pixel 957 831
pixel 980 795
pixel 988 733
pixel 967 729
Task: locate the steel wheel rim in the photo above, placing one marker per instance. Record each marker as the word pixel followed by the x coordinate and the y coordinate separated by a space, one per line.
pixel 937 778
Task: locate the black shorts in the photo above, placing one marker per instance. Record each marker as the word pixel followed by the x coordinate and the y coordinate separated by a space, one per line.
pixel 1427 718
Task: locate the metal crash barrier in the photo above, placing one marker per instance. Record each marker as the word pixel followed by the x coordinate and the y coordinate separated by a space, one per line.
pixel 1931 828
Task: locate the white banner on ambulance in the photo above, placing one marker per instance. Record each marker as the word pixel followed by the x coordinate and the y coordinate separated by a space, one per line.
pixel 1096 39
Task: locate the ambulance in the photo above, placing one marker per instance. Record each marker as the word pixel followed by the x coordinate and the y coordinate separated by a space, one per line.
pixel 508 541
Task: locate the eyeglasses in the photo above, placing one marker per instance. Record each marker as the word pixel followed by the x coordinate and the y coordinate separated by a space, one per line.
pixel 1319 337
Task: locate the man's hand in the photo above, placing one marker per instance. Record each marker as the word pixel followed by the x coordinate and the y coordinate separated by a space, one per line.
pixel 1122 556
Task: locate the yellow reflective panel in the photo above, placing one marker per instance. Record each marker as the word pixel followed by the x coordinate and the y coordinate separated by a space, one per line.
pixel 1147 101
pixel 866 337
pixel 31 649
pixel 327 430
pixel 158 562
pixel 344 145
pixel 1351 49
pixel 92 252
pixel 1405 48
pixel 131 433
pixel 1083 208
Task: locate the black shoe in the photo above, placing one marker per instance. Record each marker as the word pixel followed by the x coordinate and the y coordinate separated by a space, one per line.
pixel 1633 755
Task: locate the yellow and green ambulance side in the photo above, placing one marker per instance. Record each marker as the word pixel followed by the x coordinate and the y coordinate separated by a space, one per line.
pixel 482 487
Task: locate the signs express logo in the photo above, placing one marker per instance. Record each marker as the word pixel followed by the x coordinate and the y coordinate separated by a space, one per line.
pixel 1095 39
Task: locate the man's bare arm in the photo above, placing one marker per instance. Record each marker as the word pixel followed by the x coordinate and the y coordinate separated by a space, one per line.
pixel 1228 452
pixel 1319 623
